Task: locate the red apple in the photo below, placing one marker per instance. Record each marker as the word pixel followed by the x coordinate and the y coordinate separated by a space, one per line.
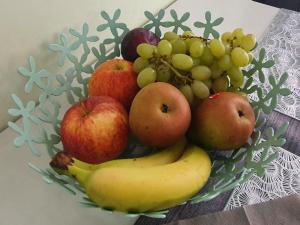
pixel 159 115
pixel 115 78
pixel 95 130
pixel 223 121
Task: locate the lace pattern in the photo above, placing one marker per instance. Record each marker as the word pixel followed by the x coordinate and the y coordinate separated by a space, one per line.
pixel 282 178
pixel 282 43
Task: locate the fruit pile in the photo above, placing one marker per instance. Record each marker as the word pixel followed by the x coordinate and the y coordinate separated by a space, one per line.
pixel 179 95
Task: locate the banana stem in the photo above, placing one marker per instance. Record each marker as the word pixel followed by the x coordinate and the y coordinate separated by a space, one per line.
pixel 61 161
pixel 64 164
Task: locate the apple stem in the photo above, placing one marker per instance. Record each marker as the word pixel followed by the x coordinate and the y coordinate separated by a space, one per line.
pixel 182 77
pixel 84 109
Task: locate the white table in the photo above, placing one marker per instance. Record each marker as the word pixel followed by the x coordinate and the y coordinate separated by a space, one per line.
pixel 25 199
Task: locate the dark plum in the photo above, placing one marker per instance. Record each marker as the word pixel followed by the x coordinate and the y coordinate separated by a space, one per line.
pixel 133 38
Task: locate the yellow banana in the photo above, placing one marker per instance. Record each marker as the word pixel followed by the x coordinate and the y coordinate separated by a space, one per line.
pixel 164 156
pixel 143 188
pixel 130 189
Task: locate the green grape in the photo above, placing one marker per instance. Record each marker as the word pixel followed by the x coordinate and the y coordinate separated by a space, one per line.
pixel 220 84
pixel 179 47
pixel 201 73
pixel 208 83
pixel 196 48
pixel 186 90
pixel 216 71
pixel 163 73
pixel 233 89
pixel 225 62
pixel 237 83
pixel 170 36
pixel 236 43
pixel 227 47
pixel 236 76
pixel 187 43
pixel 190 41
pixel 239 57
pixel 182 62
pixel 248 42
pixel 206 57
pixel 250 55
pixel 139 64
pixel 196 61
pixel 227 37
pixel 155 50
pixel 145 50
pixel 217 48
pixel 146 76
pixel 199 89
pixel 164 47
pixel 238 33
pixel 234 72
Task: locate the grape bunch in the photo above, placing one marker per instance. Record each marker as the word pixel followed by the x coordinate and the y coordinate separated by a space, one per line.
pixel 197 66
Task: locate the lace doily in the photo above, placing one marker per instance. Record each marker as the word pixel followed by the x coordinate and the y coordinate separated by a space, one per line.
pixel 282 43
pixel 282 178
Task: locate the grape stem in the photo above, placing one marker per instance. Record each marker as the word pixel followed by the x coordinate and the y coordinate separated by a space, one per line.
pixel 190 37
pixel 182 77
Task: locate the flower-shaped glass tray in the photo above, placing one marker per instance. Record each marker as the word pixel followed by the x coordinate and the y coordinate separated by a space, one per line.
pixel 40 123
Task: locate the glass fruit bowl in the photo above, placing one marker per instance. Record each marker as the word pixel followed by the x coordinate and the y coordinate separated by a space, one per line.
pixel 40 123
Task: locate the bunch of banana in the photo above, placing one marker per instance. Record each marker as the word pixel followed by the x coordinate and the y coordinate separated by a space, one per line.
pixel 149 183
pixel 63 163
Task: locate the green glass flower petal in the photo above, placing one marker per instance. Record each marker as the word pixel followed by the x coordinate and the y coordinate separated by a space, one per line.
pixel 155 22
pixel 34 77
pixel 63 49
pixel 177 23
pixel 218 21
pixel 209 26
pixel 83 38
pixel 208 16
